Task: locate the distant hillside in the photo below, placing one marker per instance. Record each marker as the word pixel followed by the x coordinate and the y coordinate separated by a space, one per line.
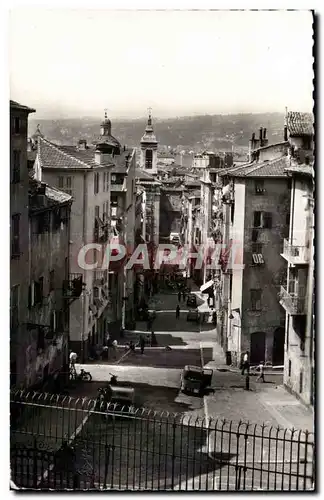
pixel 210 132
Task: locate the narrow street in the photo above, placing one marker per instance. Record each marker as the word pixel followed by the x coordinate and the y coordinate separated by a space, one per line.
pixel 193 344
pixel 155 375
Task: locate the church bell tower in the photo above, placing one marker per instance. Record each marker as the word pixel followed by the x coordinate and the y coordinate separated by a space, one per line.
pixel 149 145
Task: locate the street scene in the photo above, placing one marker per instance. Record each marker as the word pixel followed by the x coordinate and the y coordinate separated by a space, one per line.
pixel 162 272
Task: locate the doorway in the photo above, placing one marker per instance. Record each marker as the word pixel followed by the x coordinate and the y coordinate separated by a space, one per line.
pixel 278 348
pixel 257 347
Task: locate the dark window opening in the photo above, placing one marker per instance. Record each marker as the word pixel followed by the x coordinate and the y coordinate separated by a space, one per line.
pixel 149 159
pixel 255 234
pixel 51 281
pixel 14 308
pixel 16 167
pixel 40 338
pixel 256 299
pixel 267 220
pixel 301 382
pixel 259 187
pixel 289 368
pixel 61 182
pixel 257 219
pixel 43 222
pixel 15 239
pixel 96 183
pixel 256 247
pixel 39 289
pixel 17 125
pixel 232 212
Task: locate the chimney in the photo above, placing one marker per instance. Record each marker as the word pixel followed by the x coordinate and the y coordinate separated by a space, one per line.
pixel 264 133
pixel 82 144
pixel 285 133
pixel 261 137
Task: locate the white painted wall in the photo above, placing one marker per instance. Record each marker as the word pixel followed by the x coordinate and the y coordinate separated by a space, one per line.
pixel 237 235
pixel 300 218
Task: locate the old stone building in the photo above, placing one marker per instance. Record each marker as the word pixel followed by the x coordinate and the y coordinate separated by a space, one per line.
pixel 19 252
pixel 256 204
pixel 52 288
pixel 297 293
pixel 88 174
pixel 41 287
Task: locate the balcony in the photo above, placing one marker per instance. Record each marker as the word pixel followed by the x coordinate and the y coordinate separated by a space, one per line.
pixel 72 288
pixel 295 254
pixel 293 303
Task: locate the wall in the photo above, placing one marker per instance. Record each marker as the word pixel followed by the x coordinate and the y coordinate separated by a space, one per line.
pixel 300 213
pixel 269 276
pixel 272 152
pixel 299 355
pixel 19 269
pixel 47 252
pixel 82 321
pixel 236 232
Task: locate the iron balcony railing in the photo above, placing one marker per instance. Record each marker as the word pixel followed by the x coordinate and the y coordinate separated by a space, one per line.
pixel 72 288
pixel 296 254
pixel 59 442
pixel 293 303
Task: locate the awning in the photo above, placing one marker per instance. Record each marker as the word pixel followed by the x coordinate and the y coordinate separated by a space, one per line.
pixel 207 285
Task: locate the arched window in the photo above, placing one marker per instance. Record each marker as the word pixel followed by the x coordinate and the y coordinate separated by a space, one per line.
pixel 148 158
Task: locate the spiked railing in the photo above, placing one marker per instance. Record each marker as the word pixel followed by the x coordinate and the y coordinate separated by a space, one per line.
pixel 59 442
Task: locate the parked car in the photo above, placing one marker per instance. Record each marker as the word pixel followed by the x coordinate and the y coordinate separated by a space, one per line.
pixel 192 300
pixel 195 379
pixel 193 315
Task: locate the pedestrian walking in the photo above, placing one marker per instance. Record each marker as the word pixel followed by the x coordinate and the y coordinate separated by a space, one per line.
pixel 179 296
pixel 177 311
pixel 261 371
pixel 142 344
pixel 184 295
pixel 245 364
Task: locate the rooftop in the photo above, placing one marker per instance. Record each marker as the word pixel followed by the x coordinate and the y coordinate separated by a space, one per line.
pixel 52 196
pixel 16 105
pixel 271 168
pixel 300 123
pixel 70 157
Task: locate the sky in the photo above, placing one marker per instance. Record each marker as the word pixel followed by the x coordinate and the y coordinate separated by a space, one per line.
pixel 79 62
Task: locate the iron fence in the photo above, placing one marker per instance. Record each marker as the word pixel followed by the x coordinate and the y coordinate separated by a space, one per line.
pixel 60 442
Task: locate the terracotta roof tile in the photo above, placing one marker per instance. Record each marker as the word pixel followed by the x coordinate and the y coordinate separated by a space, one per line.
pixel 70 157
pixel 300 123
pixel 271 168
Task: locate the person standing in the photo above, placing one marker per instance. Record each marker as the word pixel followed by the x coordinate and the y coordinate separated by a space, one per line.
pixel 142 344
pixel 177 311
pixel 73 358
pixel 179 296
pixel 261 372
pixel 245 365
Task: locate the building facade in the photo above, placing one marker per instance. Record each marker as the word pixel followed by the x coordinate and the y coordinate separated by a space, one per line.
pixel 52 288
pixel 88 173
pixel 255 219
pixel 19 252
pixel 297 293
